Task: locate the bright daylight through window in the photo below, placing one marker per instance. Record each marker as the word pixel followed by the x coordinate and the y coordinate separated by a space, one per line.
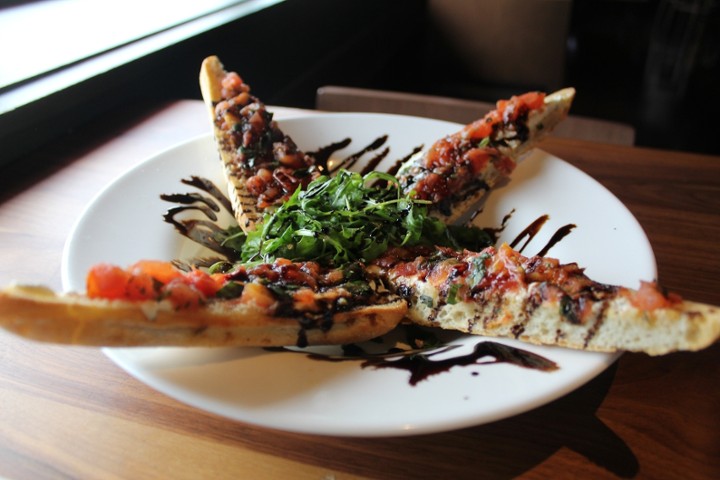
pixel 42 36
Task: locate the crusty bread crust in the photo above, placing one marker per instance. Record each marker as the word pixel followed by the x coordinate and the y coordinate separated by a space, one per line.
pixel 610 322
pixel 615 324
pixel 39 314
pixel 211 74
pixel 540 123
pixel 244 207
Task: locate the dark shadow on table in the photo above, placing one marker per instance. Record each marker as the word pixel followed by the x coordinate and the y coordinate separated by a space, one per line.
pixel 503 449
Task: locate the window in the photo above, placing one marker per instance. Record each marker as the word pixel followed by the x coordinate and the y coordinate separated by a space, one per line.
pixel 51 44
pixel 53 52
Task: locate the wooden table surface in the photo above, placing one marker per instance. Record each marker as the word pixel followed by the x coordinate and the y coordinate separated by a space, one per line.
pixel 69 412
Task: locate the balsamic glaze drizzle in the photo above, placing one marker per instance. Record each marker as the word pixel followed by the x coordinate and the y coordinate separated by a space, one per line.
pixel 421 364
pixel 400 161
pixel 418 361
pixel 349 162
pixel 530 231
pixel 534 228
pixel 322 155
pixel 561 233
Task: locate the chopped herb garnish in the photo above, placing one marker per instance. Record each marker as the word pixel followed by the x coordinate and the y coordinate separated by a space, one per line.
pixel 230 290
pixel 347 218
pixel 426 300
pixel 478 269
pixel 452 294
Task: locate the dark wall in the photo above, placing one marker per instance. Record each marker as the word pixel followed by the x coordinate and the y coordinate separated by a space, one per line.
pixel 285 52
pixel 652 63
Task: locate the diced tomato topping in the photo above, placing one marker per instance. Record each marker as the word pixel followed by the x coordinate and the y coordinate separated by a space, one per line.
pixel 405 269
pixel 478 159
pixel 163 272
pixel 141 287
pixel 152 279
pixel 182 294
pixel 649 297
pixel 208 285
pixel 505 165
pixel 257 294
pixel 231 84
pixel 501 105
pixel 440 273
pixel 440 153
pixel 509 110
pixel 107 281
pixel 255 185
pixel 232 80
pixel 304 300
pixel 533 100
pixel 433 187
pixel 481 128
pixel 329 278
pixel 505 111
pixel 505 268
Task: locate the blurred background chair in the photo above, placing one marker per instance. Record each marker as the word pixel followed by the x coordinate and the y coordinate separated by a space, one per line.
pixel 345 99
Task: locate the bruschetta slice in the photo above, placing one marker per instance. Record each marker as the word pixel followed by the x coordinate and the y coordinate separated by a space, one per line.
pixel 154 304
pixel 262 165
pixel 500 293
pixel 493 292
pixel 457 170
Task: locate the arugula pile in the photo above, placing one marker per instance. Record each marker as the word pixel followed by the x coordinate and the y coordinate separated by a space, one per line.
pixel 345 218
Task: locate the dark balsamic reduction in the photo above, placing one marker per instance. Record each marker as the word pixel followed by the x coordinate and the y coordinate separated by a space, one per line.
pixel 530 231
pixel 373 162
pixel 494 233
pixel 399 162
pixel 203 232
pixel 419 346
pixel 561 233
pixel 421 365
pixel 209 187
pixel 534 228
pixel 349 162
pixel 322 155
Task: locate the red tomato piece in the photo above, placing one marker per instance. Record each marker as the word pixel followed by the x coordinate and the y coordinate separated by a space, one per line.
pixel 478 159
pixel 504 164
pixel 163 272
pixel 141 287
pixel 182 294
pixel 206 284
pixel 231 84
pixel 258 295
pixel 107 281
pixel 533 100
pixel 482 128
pixel 649 297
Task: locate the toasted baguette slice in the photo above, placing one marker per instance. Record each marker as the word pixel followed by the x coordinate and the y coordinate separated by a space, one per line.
pixel 514 141
pixel 500 293
pixel 459 169
pixel 262 165
pixel 39 314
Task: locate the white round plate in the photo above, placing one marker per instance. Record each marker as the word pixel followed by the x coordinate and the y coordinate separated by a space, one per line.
pixel 289 391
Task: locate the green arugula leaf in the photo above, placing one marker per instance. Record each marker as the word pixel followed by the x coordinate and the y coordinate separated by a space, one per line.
pixel 347 218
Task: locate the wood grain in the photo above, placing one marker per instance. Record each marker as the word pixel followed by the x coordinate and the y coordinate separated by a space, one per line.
pixel 69 412
pixel 676 198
